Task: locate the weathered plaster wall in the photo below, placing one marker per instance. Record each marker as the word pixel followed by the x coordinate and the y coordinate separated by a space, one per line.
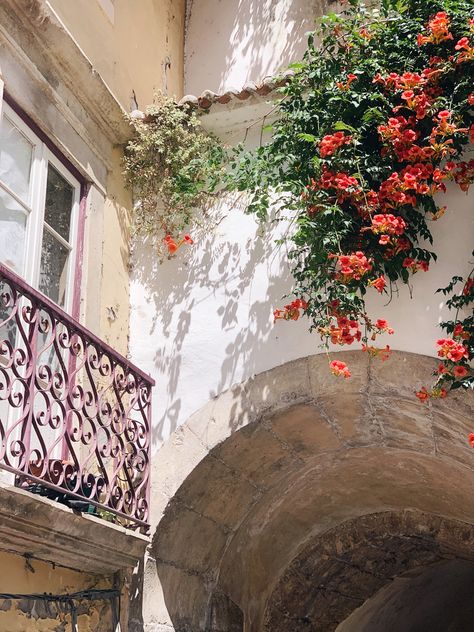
pixel 27 615
pixel 115 259
pixel 75 68
pixel 137 47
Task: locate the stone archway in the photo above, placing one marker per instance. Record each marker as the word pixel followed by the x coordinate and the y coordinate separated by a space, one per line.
pixel 272 469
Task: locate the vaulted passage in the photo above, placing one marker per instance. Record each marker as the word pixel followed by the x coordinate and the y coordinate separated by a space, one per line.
pixel 392 571
pixel 436 598
pixel 316 503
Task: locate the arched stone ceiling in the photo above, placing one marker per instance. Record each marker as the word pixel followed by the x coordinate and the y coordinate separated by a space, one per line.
pixel 311 453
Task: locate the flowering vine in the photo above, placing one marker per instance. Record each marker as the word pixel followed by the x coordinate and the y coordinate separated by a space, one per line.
pixel 457 350
pixel 377 119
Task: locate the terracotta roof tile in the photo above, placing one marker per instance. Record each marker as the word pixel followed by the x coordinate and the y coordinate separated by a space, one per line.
pixel 207 98
pixel 231 96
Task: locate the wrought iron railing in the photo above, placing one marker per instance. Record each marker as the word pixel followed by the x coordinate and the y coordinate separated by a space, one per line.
pixel 74 414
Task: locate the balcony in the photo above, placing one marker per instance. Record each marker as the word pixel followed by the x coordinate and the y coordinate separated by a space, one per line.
pixel 74 417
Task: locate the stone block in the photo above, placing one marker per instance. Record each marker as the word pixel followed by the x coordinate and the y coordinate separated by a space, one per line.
pixel 405 423
pixel 401 375
pixel 176 460
pixel 218 492
pixel 184 537
pixel 303 428
pixel 257 455
pixel 352 418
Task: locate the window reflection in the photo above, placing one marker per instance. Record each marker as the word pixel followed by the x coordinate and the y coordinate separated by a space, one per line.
pixel 59 199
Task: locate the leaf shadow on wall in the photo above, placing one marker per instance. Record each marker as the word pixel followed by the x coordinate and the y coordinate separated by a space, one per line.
pixel 252 39
pixel 208 313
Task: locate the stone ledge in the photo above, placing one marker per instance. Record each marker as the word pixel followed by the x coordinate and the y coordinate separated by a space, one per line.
pixel 49 77
pixel 52 532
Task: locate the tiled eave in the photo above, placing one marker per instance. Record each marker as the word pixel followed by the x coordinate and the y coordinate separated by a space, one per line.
pixel 250 90
pixel 232 111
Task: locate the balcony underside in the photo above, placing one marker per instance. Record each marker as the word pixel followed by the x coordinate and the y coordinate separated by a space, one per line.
pixel 49 531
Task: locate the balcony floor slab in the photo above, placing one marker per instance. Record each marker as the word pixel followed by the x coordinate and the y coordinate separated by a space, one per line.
pixel 47 530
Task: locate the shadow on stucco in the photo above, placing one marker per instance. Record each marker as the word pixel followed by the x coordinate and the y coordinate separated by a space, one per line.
pixel 218 271
pixel 251 39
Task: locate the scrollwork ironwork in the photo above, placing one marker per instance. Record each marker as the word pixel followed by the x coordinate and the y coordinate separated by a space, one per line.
pixel 74 414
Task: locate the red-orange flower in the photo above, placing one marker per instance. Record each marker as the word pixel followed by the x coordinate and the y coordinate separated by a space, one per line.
pixel 345 86
pixel 383 326
pixel 451 350
pixel 459 332
pixel 352 266
pixel 291 311
pixel 331 143
pixel 345 333
pixel 339 368
pixel 438 29
pixel 467 51
pixel 365 33
pixel 468 286
pixel 379 283
pixel 388 224
pixel 471 439
pixel 460 371
pixel 464 174
pixel 423 394
pixel 173 246
pixel 414 265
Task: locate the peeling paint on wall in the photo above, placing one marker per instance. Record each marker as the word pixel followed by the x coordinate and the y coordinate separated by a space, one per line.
pixel 26 614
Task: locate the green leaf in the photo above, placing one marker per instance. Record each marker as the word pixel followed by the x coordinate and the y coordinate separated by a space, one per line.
pixel 373 115
pixel 340 126
pixel 297 65
pixel 307 137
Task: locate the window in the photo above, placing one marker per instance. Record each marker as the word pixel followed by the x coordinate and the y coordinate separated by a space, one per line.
pixel 39 209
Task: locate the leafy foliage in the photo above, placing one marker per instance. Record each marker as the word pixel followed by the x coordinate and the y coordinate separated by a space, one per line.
pixel 172 165
pixel 376 119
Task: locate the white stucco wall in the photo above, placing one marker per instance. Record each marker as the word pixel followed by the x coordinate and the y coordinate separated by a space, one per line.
pixel 230 42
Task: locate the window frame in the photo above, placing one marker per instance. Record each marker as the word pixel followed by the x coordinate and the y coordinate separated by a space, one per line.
pixel 45 153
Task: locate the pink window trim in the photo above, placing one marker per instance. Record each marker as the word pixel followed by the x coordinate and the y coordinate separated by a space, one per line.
pixel 85 186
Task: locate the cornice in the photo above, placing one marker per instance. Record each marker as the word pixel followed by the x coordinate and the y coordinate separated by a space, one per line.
pixel 34 33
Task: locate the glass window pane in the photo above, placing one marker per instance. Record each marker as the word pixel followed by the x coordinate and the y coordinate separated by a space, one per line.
pixel 53 270
pixel 16 153
pixel 58 205
pixel 12 233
